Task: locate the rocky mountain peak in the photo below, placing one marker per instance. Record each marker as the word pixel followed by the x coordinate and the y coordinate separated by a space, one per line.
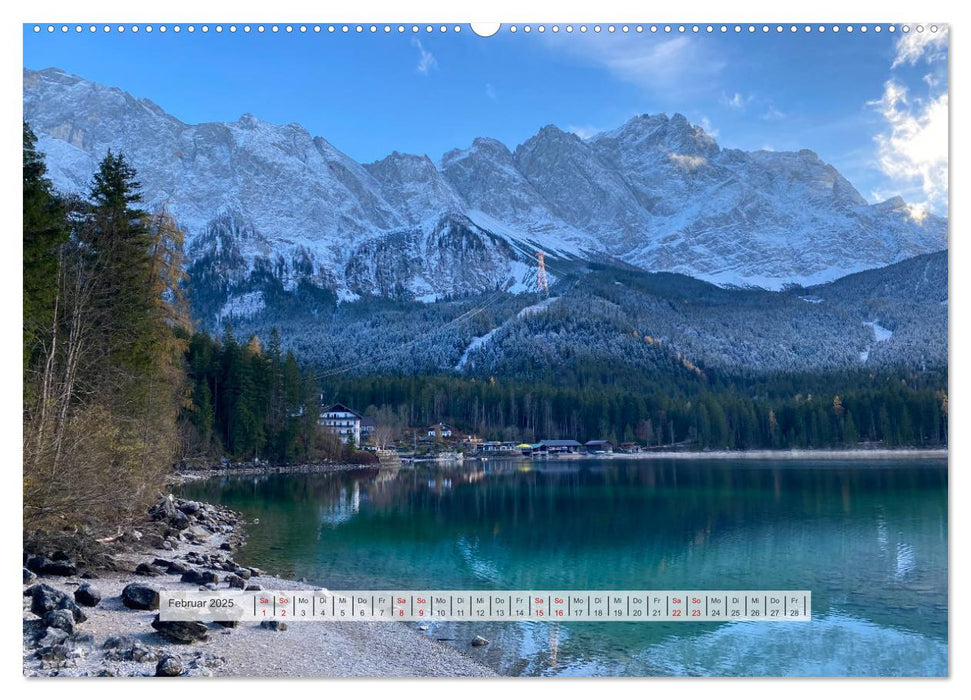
pixel 656 136
pixel 248 120
pixel 657 193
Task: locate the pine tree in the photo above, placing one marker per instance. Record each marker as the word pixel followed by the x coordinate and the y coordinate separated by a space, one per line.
pixel 45 231
pixel 202 415
pixel 118 244
pixel 850 435
pixel 310 414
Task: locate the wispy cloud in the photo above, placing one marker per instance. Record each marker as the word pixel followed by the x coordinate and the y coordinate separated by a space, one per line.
pixel 735 100
pixel 912 148
pixel 426 61
pixel 490 92
pixel 672 67
pixel 915 46
pixel 709 128
pixel 773 114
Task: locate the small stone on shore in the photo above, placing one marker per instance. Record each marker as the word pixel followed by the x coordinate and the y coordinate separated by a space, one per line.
pixel 49 567
pixel 52 636
pixel 174 567
pixel 60 619
pixel 480 641
pixel 169 666
pixel 183 632
pixel 44 598
pixel 125 648
pixel 200 577
pixel 88 595
pixel 72 647
pixel 145 569
pixel 274 625
pixel 140 596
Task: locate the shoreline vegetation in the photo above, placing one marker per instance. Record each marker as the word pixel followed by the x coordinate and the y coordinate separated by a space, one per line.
pixel 242 469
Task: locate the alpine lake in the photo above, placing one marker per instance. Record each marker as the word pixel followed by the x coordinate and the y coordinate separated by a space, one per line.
pixel 867 537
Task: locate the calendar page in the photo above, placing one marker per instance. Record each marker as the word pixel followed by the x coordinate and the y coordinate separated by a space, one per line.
pixel 395 349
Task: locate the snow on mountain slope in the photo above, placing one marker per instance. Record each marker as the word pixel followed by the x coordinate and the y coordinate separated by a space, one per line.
pixel 761 218
pixel 481 340
pixel 580 188
pixel 657 193
pixel 415 187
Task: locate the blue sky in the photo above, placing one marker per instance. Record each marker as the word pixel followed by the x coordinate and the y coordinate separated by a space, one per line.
pixel 873 104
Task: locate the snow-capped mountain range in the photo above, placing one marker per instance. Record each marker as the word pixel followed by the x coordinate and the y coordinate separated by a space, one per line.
pixel 657 193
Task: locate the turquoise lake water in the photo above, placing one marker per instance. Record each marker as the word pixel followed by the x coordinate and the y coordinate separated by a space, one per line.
pixel 869 539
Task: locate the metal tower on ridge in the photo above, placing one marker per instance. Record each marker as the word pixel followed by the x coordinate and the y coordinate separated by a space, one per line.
pixel 542 283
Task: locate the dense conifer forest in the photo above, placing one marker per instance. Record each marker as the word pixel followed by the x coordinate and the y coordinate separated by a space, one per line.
pixel 807 411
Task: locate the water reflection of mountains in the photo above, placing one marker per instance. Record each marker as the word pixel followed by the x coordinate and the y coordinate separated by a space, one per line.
pixel 705 494
pixel 869 540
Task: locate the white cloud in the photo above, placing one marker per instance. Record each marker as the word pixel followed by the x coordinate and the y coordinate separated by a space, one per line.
pixel 915 46
pixel 686 162
pixel 584 132
pixel 674 67
pixel 490 92
pixel 913 150
pixel 708 128
pixel 772 114
pixel 735 100
pixel 426 61
pixel 917 212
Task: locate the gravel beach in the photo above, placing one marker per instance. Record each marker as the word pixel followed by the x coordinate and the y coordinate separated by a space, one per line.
pixel 116 640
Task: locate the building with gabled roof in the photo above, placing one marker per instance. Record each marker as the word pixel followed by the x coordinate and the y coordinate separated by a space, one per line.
pixel 561 446
pixel 343 422
pixel 599 446
pixel 439 431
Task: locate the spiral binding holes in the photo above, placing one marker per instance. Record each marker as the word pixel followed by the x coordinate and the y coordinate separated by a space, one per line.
pixel 486 30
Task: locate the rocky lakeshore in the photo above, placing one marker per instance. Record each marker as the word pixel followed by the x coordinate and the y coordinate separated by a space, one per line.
pixel 182 476
pixel 93 612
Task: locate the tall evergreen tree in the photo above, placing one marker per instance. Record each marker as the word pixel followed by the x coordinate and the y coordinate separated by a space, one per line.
pixel 118 243
pixel 45 230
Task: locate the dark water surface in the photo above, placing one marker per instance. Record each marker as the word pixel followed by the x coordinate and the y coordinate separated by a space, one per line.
pixel 869 539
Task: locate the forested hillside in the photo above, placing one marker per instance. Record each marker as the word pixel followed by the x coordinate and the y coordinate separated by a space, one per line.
pixel 788 411
pixel 891 317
